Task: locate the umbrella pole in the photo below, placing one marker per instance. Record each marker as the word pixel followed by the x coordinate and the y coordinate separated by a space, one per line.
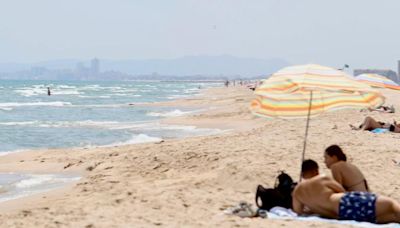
pixel 306 134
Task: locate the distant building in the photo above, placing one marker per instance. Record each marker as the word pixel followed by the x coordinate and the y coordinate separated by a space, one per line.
pixel 87 73
pixel 95 66
pixel 80 67
pixel 384 72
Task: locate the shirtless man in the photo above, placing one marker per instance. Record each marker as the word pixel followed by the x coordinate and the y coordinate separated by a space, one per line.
pixel 324 196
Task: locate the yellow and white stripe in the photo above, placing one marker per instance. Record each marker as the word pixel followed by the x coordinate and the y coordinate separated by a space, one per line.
pixel 377 80
pixel 286 94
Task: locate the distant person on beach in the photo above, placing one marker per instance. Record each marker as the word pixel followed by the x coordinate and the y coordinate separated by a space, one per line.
pixel 48 91
pixel 382 108
pixel 226 83
pixel 345 173
pixel 370 124
pixel 322 195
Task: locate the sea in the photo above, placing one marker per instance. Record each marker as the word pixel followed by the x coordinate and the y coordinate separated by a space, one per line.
pixel 83 114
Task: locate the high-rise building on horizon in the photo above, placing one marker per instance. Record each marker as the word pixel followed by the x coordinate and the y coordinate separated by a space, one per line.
pixel 95 66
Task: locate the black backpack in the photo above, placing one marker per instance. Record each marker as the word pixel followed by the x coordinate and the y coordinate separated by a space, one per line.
pixel 280 195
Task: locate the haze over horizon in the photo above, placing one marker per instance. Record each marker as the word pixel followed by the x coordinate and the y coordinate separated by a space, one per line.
pixel 360 33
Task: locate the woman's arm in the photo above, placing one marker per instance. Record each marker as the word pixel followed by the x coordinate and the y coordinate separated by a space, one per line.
pixel 337 175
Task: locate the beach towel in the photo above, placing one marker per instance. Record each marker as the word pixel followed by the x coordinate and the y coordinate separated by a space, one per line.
pixel 244 209
pixel 283 213
pixel 380 130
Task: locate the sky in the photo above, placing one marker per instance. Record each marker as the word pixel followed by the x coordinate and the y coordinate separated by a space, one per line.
pixel 361 33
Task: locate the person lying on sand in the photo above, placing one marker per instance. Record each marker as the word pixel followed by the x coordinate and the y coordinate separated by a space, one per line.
pixel 324 196
pixel 370 124
pixel 345 173
pixel 384 109
pixel 395 127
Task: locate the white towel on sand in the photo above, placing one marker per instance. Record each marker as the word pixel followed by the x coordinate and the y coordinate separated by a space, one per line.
pixel 283 213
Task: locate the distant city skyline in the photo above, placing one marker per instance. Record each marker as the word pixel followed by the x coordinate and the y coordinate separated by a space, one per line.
pixel 361 33
pixel 190 66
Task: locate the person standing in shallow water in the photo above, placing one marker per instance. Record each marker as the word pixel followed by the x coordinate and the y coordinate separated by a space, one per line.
pixel 48 91
pixel 226 83
pixel 347 174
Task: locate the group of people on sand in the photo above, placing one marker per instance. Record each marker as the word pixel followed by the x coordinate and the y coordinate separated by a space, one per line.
pixel 370 124
pixel 252 85
pixel 382 108
pixel 345 196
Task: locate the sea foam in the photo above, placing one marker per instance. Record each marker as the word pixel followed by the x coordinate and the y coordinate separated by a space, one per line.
pixel 16 104
pixel 173 113
pixel 17 185
pixel 140 138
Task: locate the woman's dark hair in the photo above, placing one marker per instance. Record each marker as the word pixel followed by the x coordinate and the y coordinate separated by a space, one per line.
pixel 335 150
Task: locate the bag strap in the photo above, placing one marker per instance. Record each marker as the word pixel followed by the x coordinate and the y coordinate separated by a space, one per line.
pixel 277 180
pixel 259 189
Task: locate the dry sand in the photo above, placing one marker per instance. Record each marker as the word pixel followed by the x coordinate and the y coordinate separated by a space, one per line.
pixel 188 182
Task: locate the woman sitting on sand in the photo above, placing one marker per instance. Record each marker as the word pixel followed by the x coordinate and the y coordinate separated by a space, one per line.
pixel 370 124
pixel 347 174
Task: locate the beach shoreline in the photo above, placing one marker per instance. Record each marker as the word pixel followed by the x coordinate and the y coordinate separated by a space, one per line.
pixel 26 161
pixel 190 181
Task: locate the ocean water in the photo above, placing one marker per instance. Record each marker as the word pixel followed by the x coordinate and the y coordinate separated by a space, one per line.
pixel 86 114
pixel 17 185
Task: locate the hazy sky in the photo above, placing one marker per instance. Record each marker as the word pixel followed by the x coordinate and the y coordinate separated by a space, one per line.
pixel 361 33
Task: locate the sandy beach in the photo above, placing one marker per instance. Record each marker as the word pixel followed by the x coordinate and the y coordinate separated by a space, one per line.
pixel 189 182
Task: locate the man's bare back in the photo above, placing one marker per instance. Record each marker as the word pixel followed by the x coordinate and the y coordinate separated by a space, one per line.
pixel 318 195
pixel 324 196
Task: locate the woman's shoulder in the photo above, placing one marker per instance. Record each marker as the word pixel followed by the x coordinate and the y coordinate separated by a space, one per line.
pixel 339 164
pixel 345 166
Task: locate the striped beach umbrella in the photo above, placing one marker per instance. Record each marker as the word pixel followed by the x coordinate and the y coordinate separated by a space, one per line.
pixel 308 90
pixel 377 80
pixel 286 93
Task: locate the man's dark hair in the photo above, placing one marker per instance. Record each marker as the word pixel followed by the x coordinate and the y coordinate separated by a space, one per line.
pixel 308 165
pixel 335 150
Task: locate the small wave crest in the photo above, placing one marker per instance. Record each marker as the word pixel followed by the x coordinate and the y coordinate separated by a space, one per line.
pixel 15 104
pixel 174 113
pixel 140 138
pixel 33 181
pixel 22 123
pixel 37 90
pixel 37 180
pixel 15 185
pixel 85 124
